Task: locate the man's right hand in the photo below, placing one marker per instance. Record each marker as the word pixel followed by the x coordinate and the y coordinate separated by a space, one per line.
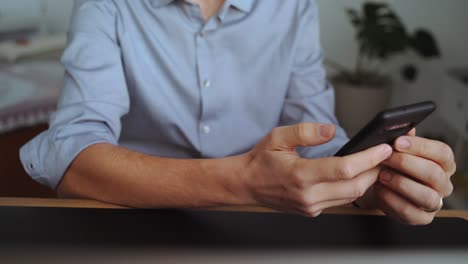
pixel 277 177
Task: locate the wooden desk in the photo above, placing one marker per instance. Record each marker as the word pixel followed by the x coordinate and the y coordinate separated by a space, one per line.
pixel 80 203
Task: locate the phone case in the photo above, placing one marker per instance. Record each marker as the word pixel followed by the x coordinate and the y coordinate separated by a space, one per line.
pixel 387 126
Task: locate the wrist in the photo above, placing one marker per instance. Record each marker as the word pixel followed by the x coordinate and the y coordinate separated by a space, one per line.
pixel 230 174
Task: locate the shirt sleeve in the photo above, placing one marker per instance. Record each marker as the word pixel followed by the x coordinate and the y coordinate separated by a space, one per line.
pixel 310 98
pixel 93 99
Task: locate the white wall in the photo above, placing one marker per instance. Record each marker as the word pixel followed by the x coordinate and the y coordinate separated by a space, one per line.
pixel 22 8
pixel 57 12
pixel 446 19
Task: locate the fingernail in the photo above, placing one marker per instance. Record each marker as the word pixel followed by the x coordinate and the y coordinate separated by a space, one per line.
pixel 385 176
pixel 403 143
pixel 325 131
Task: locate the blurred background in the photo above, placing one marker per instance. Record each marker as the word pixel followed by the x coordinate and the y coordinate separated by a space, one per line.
pixel 378 54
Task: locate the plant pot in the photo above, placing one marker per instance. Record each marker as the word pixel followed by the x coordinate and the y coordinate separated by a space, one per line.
pixel 356 105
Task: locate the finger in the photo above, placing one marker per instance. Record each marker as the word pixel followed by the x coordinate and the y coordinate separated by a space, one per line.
pixel 303 134
pixel 401 209
pixel 316 209
pixel 316 214
pixel 419 194
pixel 347 167
pixel 433 150
pixel 426 171
pixel 382 205
pixel 412 132
pixel 342 190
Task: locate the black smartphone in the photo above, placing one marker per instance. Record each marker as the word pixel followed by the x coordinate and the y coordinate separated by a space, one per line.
pixel 387 126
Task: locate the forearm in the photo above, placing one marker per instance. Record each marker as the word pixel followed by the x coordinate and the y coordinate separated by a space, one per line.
pixel 117 175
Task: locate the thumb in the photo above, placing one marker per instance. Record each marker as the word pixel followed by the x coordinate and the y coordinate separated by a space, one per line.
pixel 300 135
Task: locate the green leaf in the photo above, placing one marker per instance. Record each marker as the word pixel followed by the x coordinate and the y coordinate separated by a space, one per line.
pixel 424 44
pixel 371 10
pixel 409 73
pixel 380 31
pixel 353 15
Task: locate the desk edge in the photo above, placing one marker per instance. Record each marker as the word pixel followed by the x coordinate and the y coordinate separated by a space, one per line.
pixel 82 203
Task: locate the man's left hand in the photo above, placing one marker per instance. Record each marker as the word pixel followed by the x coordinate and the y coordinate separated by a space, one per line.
pixel 415 179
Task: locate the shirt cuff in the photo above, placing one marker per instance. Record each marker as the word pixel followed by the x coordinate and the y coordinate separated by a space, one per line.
pixel 46 160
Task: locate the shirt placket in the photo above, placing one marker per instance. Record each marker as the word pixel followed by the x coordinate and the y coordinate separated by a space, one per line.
pixel 206 84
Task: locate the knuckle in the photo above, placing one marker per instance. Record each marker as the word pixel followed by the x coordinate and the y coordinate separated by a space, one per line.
pixel 447 153
pixel 422 219
pixel 303 200
pixel 425 146
pixel 274 135
pixel 431 199
pixel 441 175
pixel 308 213
pixel 453 169
pixel 313 211
pixel 406 213
pixel 401 160
pixel 358 190
pixel 316 214
pixel 449 189
pixel 344 170
pixel 304 133
pixel 297 178
pixel 399 182
pixel 435 174
pixel 427 220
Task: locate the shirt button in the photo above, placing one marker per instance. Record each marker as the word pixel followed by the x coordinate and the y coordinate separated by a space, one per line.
pixel 206 129
pixel 206 83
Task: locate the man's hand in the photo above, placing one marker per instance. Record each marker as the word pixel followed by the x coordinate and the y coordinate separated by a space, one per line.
pixel 417 178
pixel 278 178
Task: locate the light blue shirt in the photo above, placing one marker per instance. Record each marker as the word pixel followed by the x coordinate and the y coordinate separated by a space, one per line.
pixel 152 76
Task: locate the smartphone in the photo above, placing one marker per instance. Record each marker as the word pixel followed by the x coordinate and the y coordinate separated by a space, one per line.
pixel 387 126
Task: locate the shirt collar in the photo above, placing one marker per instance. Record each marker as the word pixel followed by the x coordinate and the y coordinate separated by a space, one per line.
pixel 243 5
pixel 161 3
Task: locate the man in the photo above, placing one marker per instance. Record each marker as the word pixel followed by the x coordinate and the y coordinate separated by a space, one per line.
pixel 202 103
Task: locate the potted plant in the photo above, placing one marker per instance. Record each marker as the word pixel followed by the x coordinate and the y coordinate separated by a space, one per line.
pixel 366 89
